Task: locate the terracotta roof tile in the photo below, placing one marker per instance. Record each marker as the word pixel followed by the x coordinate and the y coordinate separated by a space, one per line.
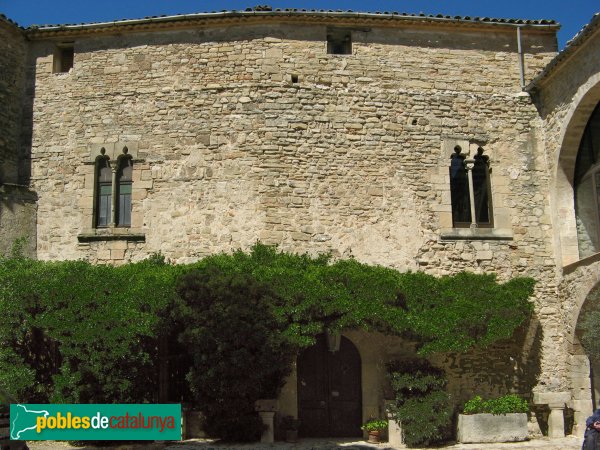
pixel 268 10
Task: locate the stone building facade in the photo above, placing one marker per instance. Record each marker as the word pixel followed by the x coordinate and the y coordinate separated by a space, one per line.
pixel 318 132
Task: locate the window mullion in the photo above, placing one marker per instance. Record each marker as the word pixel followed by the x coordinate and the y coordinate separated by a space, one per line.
pixel 470 163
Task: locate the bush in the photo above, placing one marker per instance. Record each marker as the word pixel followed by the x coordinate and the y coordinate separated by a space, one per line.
pixel 77 333
pixel 503 405
pixel 240 354
pixel 421 403
pixel 448 314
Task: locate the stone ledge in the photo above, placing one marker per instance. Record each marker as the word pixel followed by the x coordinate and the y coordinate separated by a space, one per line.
pixel 114 234
pixel 492 234
pixel 551 398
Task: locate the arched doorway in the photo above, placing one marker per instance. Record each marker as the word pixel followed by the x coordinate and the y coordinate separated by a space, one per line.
pixel 329 390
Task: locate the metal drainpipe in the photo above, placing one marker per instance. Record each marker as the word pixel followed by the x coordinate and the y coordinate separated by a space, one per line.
pixel 521 59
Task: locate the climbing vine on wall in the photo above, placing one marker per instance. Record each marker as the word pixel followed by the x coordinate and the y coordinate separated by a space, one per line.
pixel 450 313
pixel 76 332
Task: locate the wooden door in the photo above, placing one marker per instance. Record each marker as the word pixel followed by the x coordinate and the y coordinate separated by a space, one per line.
pixel 329 390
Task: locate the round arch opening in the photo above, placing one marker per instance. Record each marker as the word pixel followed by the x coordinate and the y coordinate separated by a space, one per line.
pixel 330 390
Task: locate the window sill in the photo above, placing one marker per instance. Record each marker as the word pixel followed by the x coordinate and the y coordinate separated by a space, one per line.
pixel 476 234
pixel 111 234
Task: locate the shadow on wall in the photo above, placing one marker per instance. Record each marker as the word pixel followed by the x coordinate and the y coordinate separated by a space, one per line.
pixel 508 366
pixel 18 208
pixel 25 152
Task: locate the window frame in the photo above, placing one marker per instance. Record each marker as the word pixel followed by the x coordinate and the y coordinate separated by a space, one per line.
pixel 339 38
pixel 64 57
pixel 123 182
pixel 471 194
pixel 98 185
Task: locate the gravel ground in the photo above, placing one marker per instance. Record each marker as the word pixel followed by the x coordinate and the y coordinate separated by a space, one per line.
pixel 568 443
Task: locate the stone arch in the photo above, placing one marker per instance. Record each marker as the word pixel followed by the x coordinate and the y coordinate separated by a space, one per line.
pixel 582 105
pixel 576 289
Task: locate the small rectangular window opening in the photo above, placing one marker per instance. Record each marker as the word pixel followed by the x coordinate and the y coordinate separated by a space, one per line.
pixel 63 57
pixel 339 41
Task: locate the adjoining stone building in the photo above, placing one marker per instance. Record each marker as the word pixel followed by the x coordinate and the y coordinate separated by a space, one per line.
pixel 321 131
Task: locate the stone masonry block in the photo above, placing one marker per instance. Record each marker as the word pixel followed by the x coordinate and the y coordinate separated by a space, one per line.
pixel 547 398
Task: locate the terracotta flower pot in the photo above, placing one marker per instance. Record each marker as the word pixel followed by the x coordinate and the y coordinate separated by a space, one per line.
pixel 374 437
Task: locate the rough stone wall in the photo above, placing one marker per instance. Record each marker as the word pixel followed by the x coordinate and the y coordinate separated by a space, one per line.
pixel 12 82
pixel 507 366
pixel 17 219
pixel 351 159
pixel 17 203
pixel 566 100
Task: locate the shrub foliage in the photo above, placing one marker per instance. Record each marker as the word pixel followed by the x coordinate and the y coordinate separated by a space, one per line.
pixel 421 402
pixel 239 356
pixel 76 332
pixel 507 404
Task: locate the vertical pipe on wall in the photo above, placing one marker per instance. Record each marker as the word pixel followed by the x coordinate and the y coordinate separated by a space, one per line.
pixel 521 59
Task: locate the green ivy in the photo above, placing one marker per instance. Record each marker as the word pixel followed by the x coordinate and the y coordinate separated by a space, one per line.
pixel 240 355
pixel 72 331
pixel 507 404
pixel 447 314
pixel 76 332
pixel 421 402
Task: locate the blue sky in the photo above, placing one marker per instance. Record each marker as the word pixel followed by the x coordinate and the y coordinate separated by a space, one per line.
pixel 571 14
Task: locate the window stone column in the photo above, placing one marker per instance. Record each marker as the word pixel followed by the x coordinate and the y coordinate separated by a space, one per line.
pixel 469 164
pixel 114 199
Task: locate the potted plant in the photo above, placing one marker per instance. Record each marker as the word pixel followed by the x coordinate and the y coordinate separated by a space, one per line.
pixel 291 426
pixel 374 427
pixel 502 419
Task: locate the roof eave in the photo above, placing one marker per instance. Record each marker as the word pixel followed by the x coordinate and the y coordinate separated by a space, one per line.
pixel 572 47
pixel 356 16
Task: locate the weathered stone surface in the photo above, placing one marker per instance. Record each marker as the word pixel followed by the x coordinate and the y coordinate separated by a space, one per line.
pixel 12 84
pixel 481 428
pixel 17 219
pixel 250 131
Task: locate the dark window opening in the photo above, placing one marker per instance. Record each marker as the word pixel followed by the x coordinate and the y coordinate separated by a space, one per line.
pixel 63 58
pixel 460 189
pixel 294 78
pixel 124 177
pixel 339 42
pixel 481 188
pixel 103 192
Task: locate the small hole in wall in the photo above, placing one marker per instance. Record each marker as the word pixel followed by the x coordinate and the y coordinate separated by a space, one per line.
pixel 414 121
pixel 294 78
